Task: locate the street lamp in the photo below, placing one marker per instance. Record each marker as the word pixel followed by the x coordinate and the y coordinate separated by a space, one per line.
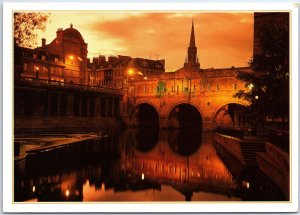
pixel 250 86
pixel 37 72
pixel 71 57
pixel 130 72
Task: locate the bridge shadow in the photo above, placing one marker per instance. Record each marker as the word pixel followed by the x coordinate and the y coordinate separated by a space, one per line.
pixel 184 141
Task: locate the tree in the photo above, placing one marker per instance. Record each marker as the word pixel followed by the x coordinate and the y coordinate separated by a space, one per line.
pixel 161 88
pixel 268 84
pixel 26 26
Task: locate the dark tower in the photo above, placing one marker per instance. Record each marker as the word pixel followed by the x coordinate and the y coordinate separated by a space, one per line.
pixel 192 59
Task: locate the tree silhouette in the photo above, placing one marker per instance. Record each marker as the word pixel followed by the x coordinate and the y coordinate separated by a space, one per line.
pixel 268 84
pixel 26 26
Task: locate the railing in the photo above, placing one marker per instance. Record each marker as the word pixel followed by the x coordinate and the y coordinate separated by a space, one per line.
pixel 280 139
pixel 237 132
pixel 47 82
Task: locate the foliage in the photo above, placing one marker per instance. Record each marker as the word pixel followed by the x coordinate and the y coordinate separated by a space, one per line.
pixel 26 26
pixel 161 87
pixel 268 84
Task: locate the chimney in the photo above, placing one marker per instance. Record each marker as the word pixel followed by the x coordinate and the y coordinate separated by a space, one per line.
pixel 59 33
pixel 43 42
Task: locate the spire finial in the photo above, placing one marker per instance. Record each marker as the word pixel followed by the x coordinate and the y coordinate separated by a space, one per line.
pixel 192 39
pixel 71 25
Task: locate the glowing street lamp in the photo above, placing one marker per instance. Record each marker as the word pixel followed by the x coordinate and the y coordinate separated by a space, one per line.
pixel 256 97
pixel 71 57
pixel 250 86
pixel 130 71
pixel 37 71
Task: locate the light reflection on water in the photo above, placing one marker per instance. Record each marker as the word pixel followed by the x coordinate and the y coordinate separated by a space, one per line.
pixel 137 165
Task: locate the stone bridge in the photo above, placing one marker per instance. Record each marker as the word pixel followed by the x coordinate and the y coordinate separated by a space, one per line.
pixel 185 99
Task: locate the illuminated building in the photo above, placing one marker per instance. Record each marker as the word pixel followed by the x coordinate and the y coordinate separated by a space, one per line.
pixel 64 59
pixel 114 71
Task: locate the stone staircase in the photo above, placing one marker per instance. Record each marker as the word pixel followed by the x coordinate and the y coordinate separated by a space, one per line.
pixel 249 149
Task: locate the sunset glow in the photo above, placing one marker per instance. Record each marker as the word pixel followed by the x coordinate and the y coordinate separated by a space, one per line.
pixel 223 39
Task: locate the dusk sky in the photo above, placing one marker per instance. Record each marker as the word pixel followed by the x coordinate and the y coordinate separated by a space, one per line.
pixel 222 39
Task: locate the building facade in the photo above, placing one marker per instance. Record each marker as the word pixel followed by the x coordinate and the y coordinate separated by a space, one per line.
pixel 63 60
pixel 115 70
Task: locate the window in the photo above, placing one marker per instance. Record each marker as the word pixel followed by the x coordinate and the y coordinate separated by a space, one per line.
pixel 145 89
pixel 218 86
pixel 52 71
pixel 43 57
pixel 45 70
pixel 194 87
pixel 56 60
pixel 34 56
pixel 25 66
pixel 208 86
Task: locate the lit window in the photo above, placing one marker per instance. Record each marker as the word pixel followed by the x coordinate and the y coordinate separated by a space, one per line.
pixel 43 57
pixel 208 86
pixel 25 66
pixel 56 60
pixel 45 70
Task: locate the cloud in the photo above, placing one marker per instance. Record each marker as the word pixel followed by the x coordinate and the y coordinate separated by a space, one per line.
pixel 223 39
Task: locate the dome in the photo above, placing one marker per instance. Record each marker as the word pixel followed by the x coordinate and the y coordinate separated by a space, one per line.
pixel 72 33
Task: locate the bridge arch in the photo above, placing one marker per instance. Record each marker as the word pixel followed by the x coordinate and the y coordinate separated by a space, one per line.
pixel 229 115
pixel 145 114
pixel 184 115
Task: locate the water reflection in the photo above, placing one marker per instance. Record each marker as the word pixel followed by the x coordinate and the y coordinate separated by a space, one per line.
pixel 137 165
pixel 144 138
pixel 184 141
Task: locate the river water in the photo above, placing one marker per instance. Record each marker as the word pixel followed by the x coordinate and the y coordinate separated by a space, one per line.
pixel 140 165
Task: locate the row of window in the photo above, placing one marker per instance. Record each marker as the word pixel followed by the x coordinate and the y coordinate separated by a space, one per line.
pixel 35 56
pixel 43 69
pixel 181 89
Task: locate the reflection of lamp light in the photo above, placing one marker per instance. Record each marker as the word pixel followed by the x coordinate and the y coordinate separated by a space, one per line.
pixel 67 193
pixel 143 176
pixel 145 78
pixel 103 186
pixel 33 189
pixel 71 57
pixel 37 72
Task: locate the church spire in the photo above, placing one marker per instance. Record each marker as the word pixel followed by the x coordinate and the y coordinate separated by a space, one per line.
pixel 192 59
pixel 192 39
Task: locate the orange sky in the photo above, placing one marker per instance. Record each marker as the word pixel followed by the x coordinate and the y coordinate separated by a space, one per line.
pixel 223 39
